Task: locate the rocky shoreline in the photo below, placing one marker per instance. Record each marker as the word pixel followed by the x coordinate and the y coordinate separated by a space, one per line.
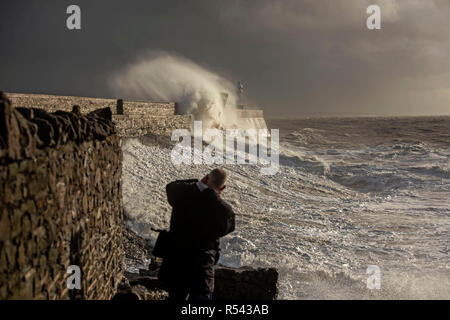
pixel 244 283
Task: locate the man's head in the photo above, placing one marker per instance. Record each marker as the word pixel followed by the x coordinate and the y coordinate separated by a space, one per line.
pixel 216 179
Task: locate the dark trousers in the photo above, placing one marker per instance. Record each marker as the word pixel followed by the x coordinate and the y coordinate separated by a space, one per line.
pixel 189 277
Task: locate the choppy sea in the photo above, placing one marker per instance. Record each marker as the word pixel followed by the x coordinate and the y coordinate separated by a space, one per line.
pixel 350 193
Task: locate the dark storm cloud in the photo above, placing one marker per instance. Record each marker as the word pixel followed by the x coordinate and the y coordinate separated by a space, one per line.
pixel 295 57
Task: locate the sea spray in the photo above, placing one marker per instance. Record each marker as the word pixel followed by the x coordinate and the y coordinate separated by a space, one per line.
pixel 159 75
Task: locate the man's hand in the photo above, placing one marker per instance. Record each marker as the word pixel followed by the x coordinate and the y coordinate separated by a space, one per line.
pixel 221 189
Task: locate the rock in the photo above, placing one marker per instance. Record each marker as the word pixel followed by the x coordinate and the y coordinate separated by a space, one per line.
pixel 104 113
pixel 124 291
pixel 16 133
pixel 76 109
pixel 140 292
pixel 137 250
pixel 23 130
pixel 144 294
pixel 150 282
pixel 245 283
pixel 124 284
pixel 127 294
pixel 140 288
pixel 103 120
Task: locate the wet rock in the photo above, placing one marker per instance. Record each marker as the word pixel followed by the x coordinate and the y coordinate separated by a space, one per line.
pixel 135 287
pixel 137 250
pixel 150 282
pixel 245 283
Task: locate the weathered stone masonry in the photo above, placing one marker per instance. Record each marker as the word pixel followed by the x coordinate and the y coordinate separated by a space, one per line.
pixel 60 203
pixel 131 118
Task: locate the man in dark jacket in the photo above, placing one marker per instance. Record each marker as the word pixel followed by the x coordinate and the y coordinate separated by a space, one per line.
pixel 199 218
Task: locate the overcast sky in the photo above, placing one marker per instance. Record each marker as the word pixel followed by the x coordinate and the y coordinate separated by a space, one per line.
pixel 294 57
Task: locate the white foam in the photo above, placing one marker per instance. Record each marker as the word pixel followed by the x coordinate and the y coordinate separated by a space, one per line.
pixel 323 218
pixel 160 75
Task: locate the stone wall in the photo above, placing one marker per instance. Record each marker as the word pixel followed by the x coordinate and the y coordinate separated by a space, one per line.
pixel 60 203
pixel 136 125
pixel 132 118
pixel 53 103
